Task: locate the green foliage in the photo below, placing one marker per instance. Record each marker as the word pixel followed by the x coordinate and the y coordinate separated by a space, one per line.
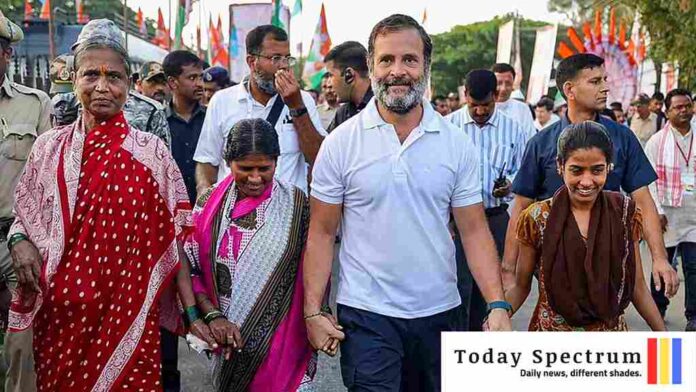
pixel 464 48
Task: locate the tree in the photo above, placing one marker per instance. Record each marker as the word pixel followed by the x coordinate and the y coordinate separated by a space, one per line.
pixel 464 48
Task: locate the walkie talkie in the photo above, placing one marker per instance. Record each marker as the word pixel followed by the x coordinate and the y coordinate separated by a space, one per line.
pixel 501 180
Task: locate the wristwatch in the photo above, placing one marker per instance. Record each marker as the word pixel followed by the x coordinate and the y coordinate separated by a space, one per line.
pixel 499 305
pixel 298 112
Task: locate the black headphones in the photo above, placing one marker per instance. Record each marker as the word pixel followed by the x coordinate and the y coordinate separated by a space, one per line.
pixel 348 76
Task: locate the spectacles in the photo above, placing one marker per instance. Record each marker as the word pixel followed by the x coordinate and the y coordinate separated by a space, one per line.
pixel 278 59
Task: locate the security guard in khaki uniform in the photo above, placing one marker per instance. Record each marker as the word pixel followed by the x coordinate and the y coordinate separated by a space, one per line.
pixel 24 115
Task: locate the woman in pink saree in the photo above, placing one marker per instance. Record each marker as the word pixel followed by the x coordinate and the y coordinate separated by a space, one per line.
pixel 246 255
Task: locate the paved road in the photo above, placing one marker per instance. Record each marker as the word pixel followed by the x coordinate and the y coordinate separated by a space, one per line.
pixel 195 375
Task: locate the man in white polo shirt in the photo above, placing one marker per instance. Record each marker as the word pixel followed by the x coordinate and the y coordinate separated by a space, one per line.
pixel 269 92
pixel 390 176
pixel 516 110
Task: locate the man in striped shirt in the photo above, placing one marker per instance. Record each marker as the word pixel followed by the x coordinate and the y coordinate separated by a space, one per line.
pixel 501 142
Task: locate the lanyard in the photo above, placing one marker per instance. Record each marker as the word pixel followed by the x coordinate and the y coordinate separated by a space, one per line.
pixel 685 156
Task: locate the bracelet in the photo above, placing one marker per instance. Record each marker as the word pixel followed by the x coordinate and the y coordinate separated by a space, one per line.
pixel 313 315
pixel 500 305
pixel 212 315
pixel 191 314
pixel 14 239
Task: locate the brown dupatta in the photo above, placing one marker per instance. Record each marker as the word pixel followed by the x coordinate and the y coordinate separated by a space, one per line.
pixel 590 281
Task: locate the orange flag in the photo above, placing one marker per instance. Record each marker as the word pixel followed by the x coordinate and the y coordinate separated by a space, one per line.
pixel 564 50
pixel 598 27
pixel 576 41
pixel 587 30
pixel 28 10
pixel 612 26
pixel 46 10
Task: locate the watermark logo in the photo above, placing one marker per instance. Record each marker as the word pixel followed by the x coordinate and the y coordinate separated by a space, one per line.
pixel 664 361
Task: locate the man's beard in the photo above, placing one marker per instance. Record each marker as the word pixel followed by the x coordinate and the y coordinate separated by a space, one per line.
pixel 401 104
pixel 265 85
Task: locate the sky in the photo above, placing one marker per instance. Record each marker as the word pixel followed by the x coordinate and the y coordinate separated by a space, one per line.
pixel 353 19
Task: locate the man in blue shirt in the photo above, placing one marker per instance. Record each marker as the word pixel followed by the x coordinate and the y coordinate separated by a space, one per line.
pixel 582 81
pixel 500 141
pixel 185 113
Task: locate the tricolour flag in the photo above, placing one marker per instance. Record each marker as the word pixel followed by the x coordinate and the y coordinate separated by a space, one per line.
pixel 140 20
pixel 45 10
pixel 297 8
pixel 275 17
pixel 321 44
pixel 162 34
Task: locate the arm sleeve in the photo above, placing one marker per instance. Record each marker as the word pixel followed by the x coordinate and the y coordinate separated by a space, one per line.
pixel 527 229
pixel 639 172
pixel 44 123
pixel 528 180
pixel 327 178
pixel 467 187
pixel 159 126
pixel 211 141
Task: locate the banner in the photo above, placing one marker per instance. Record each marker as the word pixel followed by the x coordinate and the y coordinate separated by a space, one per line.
pixel 569 361
pixel 505 33
pixel 245 17
pixel 540 74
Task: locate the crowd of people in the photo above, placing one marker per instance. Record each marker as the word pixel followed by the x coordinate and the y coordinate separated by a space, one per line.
pixel 140 207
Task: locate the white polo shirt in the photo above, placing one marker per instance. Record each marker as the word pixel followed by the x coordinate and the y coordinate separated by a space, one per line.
pixel 397 255
pixel 234 103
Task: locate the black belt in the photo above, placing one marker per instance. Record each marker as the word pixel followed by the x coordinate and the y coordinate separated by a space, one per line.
pixel 493 211
pixel 5 224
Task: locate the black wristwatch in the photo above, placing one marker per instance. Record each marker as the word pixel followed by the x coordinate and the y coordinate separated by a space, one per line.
pixel 298 112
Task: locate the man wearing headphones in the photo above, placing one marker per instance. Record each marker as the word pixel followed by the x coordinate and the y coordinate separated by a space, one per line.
pixel 347 66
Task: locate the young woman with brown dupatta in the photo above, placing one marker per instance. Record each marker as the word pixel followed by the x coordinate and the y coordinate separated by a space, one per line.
pixel 583 245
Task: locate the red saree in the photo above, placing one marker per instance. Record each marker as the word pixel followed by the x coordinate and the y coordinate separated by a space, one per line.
pixel 96 321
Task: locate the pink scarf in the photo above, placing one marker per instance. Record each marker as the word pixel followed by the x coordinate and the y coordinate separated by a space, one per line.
pixel 289 353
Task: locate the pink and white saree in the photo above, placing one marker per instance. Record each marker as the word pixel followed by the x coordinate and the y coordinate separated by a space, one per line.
pixel 246 257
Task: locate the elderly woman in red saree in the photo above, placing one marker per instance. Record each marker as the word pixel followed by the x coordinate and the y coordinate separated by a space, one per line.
pixel 583 245
pixel 99 209
pixel 246 254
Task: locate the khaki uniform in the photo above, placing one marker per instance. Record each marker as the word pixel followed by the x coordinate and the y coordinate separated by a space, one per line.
pixel 24 115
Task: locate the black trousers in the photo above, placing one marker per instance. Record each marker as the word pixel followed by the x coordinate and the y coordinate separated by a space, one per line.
pixel 470 314
pixel 169 346
pixel 687 251
pixel 389 354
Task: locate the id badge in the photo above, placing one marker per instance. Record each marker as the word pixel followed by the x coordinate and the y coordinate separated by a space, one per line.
pixel 688 183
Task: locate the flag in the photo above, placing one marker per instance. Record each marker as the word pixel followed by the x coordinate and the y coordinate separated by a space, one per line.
pixel 46 10
pixel 321 44
pixel 275 18
pixel 140 20
pixel 212 36
pixel 219 55
pixel 80 8
pixel 162 34
pixel 425 16
pixel 28 10
pixel 297 8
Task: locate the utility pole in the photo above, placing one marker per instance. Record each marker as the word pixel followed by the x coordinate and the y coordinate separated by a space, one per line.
pixel 125 21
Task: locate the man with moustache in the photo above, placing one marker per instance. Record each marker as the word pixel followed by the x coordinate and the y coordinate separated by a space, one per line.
pixel 185 113
pixel 152 82
pixel 500 142
pixel 270 92
pixel 582 82
pixel 671 153
pixel 391 175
